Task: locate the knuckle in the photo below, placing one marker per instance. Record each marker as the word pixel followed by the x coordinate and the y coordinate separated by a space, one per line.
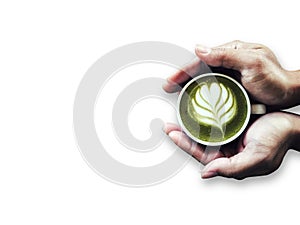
pixel 223 56
pixel 265 52
pixel 237 44
pixel 219 54
pixel 259 62
pixel 264 48
pixel 234 171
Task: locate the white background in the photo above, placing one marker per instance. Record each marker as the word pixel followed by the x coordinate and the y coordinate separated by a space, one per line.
pixel 45 49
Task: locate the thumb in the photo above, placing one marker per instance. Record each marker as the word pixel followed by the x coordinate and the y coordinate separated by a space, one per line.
pixel 230 58
pixel 238 166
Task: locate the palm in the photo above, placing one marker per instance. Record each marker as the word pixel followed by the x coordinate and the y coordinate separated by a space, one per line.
pixel 259 151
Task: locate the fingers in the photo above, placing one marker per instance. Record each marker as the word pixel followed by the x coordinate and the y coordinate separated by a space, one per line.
pixel 228 57
pixel 239 166
pixel 171 127
pixel 196 67
pixel 186 144
pixel 183 141
pixel 235 55
pixel 198 151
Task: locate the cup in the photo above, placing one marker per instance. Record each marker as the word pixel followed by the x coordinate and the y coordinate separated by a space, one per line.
pixel 214 109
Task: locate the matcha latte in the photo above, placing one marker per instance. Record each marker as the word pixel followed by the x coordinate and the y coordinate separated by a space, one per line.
pixel 213 109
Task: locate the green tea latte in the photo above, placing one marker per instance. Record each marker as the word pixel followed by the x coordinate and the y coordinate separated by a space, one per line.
pixel 213 108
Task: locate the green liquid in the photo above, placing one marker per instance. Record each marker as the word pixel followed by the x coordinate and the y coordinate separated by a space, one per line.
pixel 210 133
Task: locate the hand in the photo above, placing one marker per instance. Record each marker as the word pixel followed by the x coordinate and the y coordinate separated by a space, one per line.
pixel 259 151
pixel 261 73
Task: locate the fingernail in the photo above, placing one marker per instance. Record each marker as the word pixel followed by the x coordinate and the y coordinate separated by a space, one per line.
pixel 208 174
pixel 202 49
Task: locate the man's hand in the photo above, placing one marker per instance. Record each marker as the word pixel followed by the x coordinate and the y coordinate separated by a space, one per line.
pixel 259 151
pixel 261 74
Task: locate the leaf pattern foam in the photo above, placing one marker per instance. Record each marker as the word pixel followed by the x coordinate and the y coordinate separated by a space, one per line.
pixel 213 104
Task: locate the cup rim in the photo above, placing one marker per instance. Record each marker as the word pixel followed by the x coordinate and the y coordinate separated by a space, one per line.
pixel 220 142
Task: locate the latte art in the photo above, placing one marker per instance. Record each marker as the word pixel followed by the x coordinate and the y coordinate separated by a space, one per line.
pixel 213 109
pixel 213 104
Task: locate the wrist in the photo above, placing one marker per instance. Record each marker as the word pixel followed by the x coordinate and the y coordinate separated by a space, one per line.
pixel 292 88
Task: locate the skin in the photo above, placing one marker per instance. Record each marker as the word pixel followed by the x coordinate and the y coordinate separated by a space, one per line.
pixel 259 70
pixel 265 142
